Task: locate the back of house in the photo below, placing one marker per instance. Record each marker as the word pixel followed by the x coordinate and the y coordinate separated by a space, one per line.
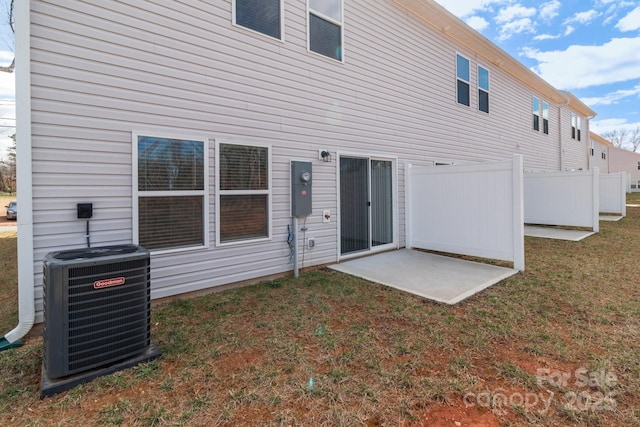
pixel 178 122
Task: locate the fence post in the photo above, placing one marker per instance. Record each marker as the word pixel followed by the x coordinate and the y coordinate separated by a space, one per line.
pixel 407 207
pixel 518 212
pixel 596 199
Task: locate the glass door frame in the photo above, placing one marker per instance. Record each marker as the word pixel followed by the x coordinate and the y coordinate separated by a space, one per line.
pixel 395 244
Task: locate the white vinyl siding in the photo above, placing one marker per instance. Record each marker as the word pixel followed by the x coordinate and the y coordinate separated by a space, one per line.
pixel 101 70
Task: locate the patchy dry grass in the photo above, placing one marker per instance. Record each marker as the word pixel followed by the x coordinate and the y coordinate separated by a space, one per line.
pixel 553 346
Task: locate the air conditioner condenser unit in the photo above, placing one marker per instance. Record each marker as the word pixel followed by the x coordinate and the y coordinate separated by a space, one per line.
pixel 97 314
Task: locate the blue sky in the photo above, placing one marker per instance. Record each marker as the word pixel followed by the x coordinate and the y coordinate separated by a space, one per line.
pixel 7 84
pixel 588 47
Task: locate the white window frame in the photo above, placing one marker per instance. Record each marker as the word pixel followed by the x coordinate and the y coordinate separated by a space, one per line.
pixel 545 117
pixel 463 80
pixel 329 19
pixel 536 113
pixel 282 26
pixel 136 192
pixel 268 192
pixel 487 91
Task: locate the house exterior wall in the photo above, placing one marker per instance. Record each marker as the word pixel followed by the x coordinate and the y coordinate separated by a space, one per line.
pixel 102 71
pixel 621 160
pixel 598 155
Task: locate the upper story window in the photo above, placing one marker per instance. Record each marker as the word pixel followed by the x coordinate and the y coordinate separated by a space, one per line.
pixel 463 79
pixel 243 198
pixel 545 117
pixel 592 148
pixel 575 127
pixel 326 28
pixel 603 153
pixel 170 195
pixel 263 16
pixel 483 89
pixel 536 113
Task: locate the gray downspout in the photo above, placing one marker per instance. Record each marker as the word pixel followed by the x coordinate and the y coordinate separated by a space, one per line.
pixel 26 294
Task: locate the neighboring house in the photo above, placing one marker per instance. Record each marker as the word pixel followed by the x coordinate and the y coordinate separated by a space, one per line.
pixel 621 160
pixel 179 121
pixel 599 152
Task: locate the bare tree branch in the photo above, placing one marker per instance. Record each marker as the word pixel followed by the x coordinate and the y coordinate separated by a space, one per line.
pixel 11 22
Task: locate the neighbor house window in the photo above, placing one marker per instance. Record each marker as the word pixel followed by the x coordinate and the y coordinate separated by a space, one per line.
pixel 170 196
pixel 545 118
pixel 263 16
pixel 463 79
pixel 535 108
pixel 244 193
pixel 483 89
pixel 575 126
pixel 326 28
pixel 592 148
pixel 604 153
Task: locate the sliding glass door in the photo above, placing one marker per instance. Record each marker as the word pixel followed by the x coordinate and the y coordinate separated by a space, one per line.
pixel 366 204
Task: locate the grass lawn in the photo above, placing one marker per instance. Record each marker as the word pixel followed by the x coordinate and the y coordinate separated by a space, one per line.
pixel 556 345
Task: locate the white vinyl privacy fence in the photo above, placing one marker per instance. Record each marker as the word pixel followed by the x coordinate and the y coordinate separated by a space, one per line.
pixel 613 189
pixel 470 209
pixel 562 198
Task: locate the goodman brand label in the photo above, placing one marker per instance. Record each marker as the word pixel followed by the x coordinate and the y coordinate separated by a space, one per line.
pixel 107 283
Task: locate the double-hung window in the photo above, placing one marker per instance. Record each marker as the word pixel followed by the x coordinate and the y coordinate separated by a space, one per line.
pixel 545 117
pixel 536 113
pixel 326 28
pixel 483 89
pixel 575 126
pixel 243 196
pixel 263 16
pixel 463 79
pixel 170 196
pixel 592 147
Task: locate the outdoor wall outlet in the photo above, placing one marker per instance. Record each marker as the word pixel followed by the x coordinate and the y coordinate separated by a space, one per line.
pixel 326 216
pixel 311 242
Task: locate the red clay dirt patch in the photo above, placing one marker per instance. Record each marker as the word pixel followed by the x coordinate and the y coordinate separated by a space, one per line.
pixel 457 416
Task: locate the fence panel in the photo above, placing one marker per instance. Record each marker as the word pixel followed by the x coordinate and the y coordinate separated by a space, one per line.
pixel 470 209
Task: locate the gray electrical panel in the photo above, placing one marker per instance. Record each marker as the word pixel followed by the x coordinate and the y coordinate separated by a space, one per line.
pixel 301 180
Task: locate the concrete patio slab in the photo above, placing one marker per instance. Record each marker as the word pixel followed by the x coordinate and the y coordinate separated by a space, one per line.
pixel 610 217
pixel 435 277
pixel 556 233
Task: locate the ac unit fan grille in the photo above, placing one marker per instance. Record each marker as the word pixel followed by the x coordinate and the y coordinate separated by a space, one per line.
pixel 97 310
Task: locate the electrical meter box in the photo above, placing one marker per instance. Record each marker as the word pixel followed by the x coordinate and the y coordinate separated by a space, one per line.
pixel 301 184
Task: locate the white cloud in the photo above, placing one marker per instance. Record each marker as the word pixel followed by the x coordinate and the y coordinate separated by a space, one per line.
pixel 7 86
pixel 583 17
pixel 541 37
pixel 583 66
pixel 613 97
pixel 519 26
pixel 607 125
pixel 630 22
pixel 478 23
pixel 570 29
pixel 549 10
pixel 516 12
